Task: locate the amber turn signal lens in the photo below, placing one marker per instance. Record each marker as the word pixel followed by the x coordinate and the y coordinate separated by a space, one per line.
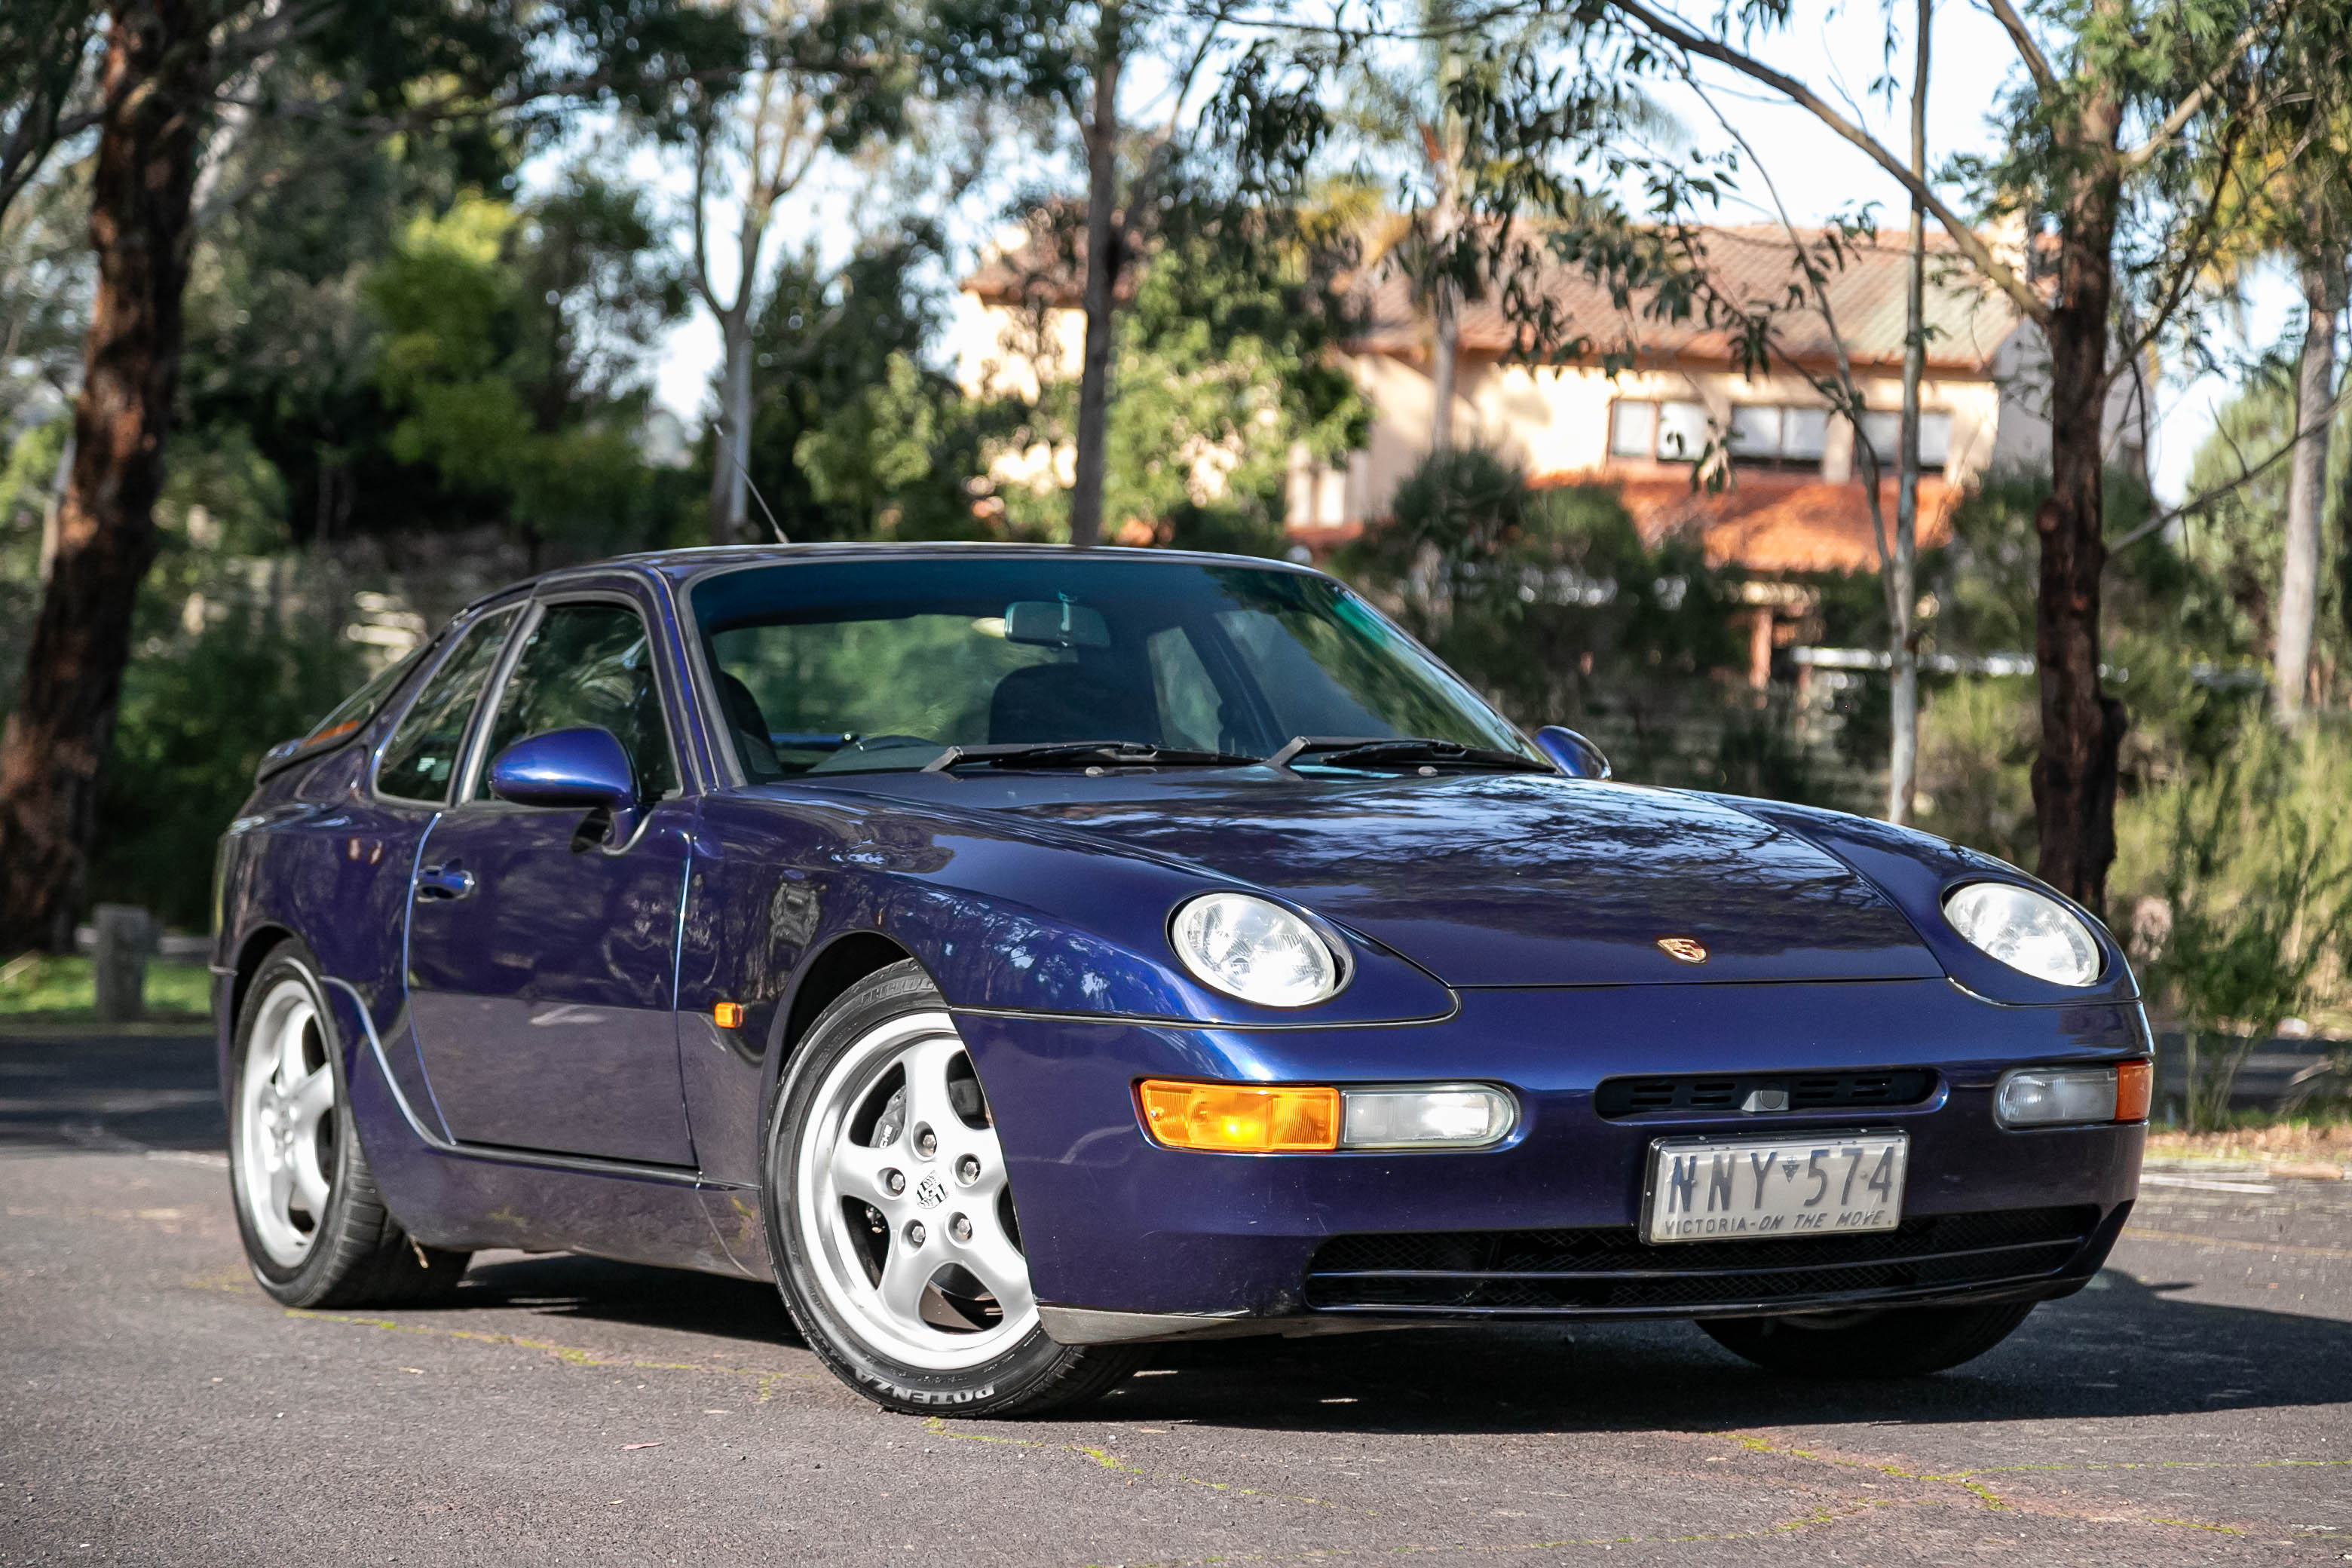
pixel 727 1014
pixel 2134 1083
pixel 1239 1119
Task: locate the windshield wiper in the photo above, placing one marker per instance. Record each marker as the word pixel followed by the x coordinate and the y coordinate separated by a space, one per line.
pixel 1082 753
pixel 1344 751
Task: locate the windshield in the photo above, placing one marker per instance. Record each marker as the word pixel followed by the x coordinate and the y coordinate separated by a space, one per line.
pixel 860 666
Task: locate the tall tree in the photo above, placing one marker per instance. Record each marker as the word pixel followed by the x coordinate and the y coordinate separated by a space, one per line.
pixel 158 89
pixel 1902 566
pixel 825 76
pixel 1077 61
pixel 2304 211
pixel 2122 109
pixel 2121 106
pixel 393 66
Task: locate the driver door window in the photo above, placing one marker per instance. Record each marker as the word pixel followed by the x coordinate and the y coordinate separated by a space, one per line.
pixel 589 663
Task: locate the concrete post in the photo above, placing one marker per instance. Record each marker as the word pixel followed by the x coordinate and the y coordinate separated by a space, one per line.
pixel 119 962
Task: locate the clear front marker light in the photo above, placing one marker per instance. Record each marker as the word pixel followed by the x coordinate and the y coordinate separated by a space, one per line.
pixel 1255 949
pixel 1449 1116
pixel 2032 932
pixel 2053 1097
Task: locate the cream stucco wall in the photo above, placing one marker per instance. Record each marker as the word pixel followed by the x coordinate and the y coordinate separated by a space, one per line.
pixel 1555 421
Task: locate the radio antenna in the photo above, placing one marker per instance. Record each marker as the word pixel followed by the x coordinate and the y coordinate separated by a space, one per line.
pixel 756 496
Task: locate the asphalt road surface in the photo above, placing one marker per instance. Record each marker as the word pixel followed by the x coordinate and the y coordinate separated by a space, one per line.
pixel 2194 1406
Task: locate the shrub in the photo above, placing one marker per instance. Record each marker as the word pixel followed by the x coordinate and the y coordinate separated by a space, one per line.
pixel 2257 896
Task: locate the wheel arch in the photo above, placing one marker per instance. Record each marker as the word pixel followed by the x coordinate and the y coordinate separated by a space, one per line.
pixel 257 945
pixel 825 977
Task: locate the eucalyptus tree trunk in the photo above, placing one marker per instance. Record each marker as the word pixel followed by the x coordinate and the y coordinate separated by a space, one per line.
pixel 1902 749
pixel 2082 728
pixel 1102 278
pixel 2314 391
pixel 730 444
pixel 157 90
pixel 1445 356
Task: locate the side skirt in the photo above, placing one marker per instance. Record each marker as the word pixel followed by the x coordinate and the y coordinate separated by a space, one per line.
pixel 470 1198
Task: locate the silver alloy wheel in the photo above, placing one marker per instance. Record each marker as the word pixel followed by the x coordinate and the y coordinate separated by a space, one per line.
pixel 285 1124
pixel 902 1201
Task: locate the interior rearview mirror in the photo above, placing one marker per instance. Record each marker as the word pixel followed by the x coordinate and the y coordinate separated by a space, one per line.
pixel 1054 623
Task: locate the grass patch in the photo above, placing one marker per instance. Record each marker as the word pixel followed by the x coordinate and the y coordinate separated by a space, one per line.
pixel 2254 1136
pixel 45 985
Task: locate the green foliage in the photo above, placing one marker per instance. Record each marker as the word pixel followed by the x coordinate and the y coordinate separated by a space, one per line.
pixel 2257 902
pixel 216 681
pixel 1977 740
pixel 1222 366
pixel 2233 545
pixel 28 479
pixel 852 435
pixel 1550 603
pixel 510 344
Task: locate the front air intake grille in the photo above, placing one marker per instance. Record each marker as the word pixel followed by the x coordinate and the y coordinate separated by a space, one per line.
pixel 1609 1270
pixel 1621 1096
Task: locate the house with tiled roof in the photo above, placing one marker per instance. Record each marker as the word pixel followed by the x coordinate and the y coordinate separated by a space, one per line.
pixel 1781 496
pixel 1786 496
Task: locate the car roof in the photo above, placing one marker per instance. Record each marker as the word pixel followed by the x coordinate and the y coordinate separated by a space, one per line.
pixel 681 565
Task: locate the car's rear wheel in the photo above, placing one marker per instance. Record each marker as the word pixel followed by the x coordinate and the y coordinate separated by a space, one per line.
pixel 891 1218
pixel 1901 1341
pixel 315 1227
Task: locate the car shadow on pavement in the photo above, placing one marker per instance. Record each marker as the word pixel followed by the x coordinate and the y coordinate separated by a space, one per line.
pixel 572 1285
pixel 2119 1348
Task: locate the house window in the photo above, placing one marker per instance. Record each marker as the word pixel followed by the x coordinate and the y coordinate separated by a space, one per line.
pixel 1632 430
pixel 1661 432
pixel 1885 432
pixel 1778 435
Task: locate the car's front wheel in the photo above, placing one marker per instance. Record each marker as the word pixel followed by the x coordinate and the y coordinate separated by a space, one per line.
pixel 316 1229
pixel 1900 1341
pixel 891 1219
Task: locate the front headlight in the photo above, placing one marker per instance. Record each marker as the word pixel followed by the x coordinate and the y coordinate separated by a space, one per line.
pixel 2032 932
pixel 1255 949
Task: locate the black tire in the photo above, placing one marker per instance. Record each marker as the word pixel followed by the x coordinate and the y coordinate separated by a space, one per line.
pixel 1899 1342
pixel 355 1254
pixel 1029 1377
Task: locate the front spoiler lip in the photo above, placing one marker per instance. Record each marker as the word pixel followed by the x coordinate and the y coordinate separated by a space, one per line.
pixel 1090 1326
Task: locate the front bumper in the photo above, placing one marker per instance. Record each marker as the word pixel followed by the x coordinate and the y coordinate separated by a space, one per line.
pixel 1128 1240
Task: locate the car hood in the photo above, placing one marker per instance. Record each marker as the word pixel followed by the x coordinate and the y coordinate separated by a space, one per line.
pixel 1487 879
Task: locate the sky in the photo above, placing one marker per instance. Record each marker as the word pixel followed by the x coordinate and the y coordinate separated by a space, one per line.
pixel 1834 45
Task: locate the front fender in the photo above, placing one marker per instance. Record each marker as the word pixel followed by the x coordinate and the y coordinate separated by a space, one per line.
pixel 1916 870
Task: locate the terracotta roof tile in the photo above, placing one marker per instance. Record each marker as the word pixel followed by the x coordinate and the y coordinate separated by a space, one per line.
pixel 1966 324
pixel 1777 523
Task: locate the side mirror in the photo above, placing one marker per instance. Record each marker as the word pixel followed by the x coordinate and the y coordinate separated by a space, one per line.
pixel 1575 756
pixel 584 769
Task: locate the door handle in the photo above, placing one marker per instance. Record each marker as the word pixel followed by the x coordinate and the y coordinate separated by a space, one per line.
pixel 444 882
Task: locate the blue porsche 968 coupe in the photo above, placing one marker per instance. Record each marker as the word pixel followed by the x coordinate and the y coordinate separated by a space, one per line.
pixel 1024 955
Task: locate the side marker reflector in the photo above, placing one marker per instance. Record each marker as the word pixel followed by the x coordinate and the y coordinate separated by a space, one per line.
pixel 2135 1081
pixel 727 1014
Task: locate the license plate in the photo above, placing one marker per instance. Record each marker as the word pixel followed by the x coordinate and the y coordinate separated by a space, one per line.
pixel 1822 1183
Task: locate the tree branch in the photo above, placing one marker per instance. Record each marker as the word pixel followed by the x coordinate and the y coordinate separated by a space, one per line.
pixel 2189 108
pixel 2037 64
pixel 2247 475
pixel 1971 244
